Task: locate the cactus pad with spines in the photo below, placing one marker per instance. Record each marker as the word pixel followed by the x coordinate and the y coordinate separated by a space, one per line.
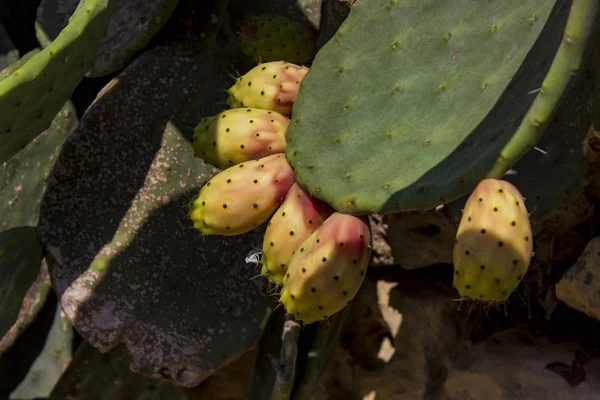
pixel 425 98
pixel 267 38
pixel 31 96
pixel 20 259
pixel 132 25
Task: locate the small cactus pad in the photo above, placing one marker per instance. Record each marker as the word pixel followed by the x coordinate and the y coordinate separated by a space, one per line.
pixel 242 197
pixel 425 98
pixel 132 24
pixel 297 218
pixel 269 86
pixel 238 135
pixel 494 242
pixel 327 269
pixel 8 53
pixel 268 38
pixel 20 259
pixel 50 363
pixel 23 177
pixel 31 96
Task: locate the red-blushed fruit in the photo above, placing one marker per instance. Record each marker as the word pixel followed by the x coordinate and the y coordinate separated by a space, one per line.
pixel 328 268
pixel 270 86
pixel 239 135
pixel 242 197
pixel 298 217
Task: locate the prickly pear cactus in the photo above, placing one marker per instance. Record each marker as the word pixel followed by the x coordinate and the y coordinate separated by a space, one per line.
pixel 51 362
pixel 31 97
pixel 242 197
pixel 23 177
pixel 140 275
pixel 266 38
pixel 17 64
pixel 494 242
pixel 93 375
pixel 327 269
pixel 132 25
pixel 297 218
pixel 238 135
pixel 20 259
pixel 269 86
pixel 459 116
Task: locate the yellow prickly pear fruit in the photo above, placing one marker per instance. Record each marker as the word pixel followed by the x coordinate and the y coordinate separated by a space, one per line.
pixel 298 216
pixel 328 268
pixel 242 197
pixel 238 135
pixel 270 86
pixel 494 243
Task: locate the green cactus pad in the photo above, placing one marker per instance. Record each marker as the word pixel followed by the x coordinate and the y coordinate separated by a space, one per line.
pixel 132 25
pixel 31 96
pixel 273 38
pixel 93 375
pixel 33 301
pixel 424 99
pixel 17 64
pixel 20 259
pixel 49 365
pixel 125 259
pixel 23 177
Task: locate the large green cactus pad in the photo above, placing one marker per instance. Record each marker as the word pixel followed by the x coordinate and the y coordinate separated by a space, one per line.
pixel 423 97
pixel 50 363
pixel 124 257
pixel 23 177
pixel 20 259
pixel 132 24
pixel 92 375
pixel 32 95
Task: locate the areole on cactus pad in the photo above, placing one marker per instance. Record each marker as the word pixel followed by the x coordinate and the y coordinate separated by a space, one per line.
pixel 412 103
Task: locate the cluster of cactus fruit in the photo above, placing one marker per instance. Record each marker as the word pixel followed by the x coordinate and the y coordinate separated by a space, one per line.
pixel 317 255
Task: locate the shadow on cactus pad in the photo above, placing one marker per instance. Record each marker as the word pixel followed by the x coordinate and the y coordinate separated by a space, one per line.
pixel 126 261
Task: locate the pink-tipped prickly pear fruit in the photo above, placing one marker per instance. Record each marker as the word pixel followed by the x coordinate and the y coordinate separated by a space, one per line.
pixel 298 216
pixel 242 197
pixel 238 135
pixel 327 269
pixel 270 86
pixel 494 244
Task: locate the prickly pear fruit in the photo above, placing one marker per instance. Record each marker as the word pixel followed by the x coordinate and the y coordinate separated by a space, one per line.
pixel 328 268
pixel 298 216
pixel 494 244
pixel 269 86
pixel 267 38
pixel 238 135
pixel 242 197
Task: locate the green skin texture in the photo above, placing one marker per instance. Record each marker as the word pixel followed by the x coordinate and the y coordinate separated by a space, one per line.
pixel 20 259
pixel 93 375
pixel 132 25
pixel 32 95
pixel 49 365
pixel 424 97
pixel 272 38
pixel 115 221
